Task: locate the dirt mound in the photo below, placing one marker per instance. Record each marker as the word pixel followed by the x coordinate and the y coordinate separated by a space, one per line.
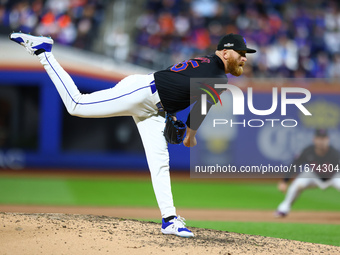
pixel 313 217
pixel 87 234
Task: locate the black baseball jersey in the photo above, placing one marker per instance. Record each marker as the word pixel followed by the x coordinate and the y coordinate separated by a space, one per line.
pixel 175 92
pixel 324 166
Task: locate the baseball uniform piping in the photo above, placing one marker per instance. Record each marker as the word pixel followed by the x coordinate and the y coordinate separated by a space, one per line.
pixel 103 101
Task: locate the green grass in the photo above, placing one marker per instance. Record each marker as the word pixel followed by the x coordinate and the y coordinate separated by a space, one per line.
pixel 45 191
pixel 187 194
pixel 249 196
pixel 313 233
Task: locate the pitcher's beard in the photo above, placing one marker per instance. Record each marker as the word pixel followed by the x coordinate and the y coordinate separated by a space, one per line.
pixel 234 68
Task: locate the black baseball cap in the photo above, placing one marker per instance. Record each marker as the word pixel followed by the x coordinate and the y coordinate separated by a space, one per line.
pixel 321 132
pixel 234 42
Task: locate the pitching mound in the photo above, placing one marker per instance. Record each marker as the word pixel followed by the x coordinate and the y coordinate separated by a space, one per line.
pixel 86 234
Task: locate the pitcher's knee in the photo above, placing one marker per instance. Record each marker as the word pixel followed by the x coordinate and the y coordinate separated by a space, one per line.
pixel 304 183
pixel 73 112
pixel 302 186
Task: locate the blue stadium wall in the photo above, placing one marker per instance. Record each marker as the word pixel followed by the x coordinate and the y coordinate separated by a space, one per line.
pixel 248 145
pixel 49 152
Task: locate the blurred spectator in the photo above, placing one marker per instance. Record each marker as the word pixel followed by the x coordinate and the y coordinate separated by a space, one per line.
pixel 294 38
pixel 334 70
pixel 117 45
pixel 69 22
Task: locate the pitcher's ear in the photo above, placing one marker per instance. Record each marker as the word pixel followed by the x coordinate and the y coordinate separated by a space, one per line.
pixel 226 53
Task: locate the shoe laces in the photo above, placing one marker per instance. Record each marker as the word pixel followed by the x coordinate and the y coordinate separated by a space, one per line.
pixel 27 48
pixel 179 222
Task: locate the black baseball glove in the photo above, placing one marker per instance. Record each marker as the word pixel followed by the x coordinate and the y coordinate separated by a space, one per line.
pixel 174 130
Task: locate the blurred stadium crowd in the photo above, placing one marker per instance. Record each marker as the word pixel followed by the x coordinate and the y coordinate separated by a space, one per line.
pixel 293 38
pixel 298 38
pixel 69 22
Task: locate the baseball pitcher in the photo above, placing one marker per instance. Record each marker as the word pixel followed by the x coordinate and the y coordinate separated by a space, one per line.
pixel 150 100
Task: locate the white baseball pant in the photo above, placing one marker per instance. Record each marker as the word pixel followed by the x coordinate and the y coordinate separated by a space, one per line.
pixel 132 96
pixel 304 181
